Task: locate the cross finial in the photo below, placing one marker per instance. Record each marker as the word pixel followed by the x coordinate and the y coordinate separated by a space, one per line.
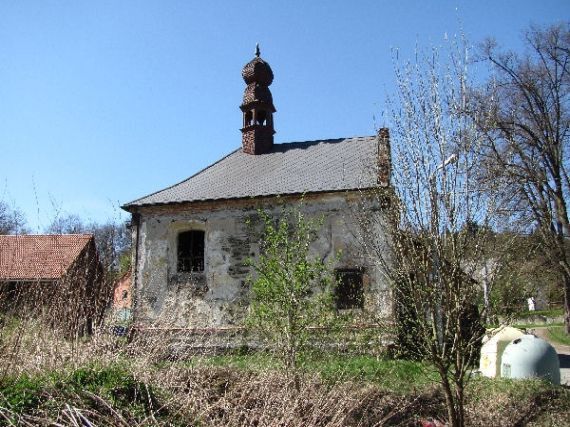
pixel 257 53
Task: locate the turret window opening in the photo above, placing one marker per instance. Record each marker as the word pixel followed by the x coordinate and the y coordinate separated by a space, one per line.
pixel 261 118
pixel 248 118
pixel 191 251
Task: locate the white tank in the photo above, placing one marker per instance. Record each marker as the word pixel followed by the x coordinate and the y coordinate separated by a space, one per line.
pixel 492 350
pixel 530 357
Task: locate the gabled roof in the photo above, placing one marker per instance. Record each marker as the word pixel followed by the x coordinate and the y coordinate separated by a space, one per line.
pixel 290 168
pixel 39 257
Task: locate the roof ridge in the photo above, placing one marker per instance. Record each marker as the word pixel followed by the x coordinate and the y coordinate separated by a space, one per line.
pixel 326 140
pixel 184 180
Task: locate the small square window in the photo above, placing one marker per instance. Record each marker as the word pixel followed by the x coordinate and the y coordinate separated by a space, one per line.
pixel 349 292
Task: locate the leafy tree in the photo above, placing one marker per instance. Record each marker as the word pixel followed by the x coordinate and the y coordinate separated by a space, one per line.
pixel 291 289
pixel 524 113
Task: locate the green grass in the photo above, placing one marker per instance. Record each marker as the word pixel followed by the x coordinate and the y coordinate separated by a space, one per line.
pixel 19 394
pixel 257 361
pixel 114 383
pixel 394 375
pixel 558 335
pixel 555 312
pixel 535 325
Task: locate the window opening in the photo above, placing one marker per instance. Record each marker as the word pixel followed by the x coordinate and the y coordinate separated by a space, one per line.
pixel 191 251
pixel 349 292
pixel 248 118
pixel 261 117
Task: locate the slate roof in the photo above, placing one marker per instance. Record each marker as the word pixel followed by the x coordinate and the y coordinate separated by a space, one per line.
pixel 290 168
pixel 39 257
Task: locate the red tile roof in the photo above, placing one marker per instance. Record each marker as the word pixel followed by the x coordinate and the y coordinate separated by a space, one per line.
pixel 39 257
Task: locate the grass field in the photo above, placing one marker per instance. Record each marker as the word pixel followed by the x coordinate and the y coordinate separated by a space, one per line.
pixel 399 376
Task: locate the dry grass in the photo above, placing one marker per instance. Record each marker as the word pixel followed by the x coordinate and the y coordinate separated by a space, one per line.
pixel 103 380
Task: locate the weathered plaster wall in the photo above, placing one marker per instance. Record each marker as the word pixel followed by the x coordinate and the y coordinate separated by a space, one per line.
pixel 218 296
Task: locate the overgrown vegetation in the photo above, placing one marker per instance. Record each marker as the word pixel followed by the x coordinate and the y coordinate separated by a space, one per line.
pixel 125 385
pixel 111 390
pixel 291 290
pixel 104 380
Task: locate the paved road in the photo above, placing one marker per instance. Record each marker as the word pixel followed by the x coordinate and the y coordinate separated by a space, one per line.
pixel 563 355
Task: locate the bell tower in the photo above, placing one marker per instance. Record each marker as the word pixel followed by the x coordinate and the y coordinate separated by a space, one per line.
pixel 257 107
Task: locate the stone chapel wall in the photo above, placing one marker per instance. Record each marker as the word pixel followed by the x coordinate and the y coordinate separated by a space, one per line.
pixel 218 296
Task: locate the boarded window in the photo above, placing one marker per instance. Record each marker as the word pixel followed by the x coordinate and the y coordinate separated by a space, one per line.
pixel 191 251
pixel 349 292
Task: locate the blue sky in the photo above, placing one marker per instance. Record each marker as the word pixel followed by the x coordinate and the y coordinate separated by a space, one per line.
pixel 102 102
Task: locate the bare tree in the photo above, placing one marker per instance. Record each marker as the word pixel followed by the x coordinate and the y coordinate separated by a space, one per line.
pixel 111 238
pixel 525 116
pixel 12 220
pixel 66 224
pixel 434 198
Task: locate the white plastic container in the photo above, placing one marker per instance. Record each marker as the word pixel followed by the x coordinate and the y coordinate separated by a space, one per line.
pixel 494 345
pixel 530 357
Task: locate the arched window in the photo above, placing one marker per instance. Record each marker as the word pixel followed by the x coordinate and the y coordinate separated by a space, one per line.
pixel 125 295
pixel 191 251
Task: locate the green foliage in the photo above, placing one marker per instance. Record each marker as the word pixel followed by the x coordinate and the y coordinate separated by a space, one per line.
pixel 291 297
pixel 114 382
pixel 124 262
pixel 21 393
pixel 526 272
pixel 46 392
